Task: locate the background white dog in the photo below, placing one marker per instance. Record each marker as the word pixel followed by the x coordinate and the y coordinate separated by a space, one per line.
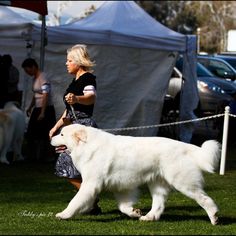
pixel 12 128
pixel 122 163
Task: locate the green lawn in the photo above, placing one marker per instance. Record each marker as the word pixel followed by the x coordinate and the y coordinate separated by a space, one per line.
pixel 30 195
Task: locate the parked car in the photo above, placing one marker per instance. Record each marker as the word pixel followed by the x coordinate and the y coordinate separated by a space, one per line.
pixel 212 90
pixel 229 58
pixel 218 66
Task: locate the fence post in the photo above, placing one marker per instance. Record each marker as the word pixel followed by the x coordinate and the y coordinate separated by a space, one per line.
pixel 224 141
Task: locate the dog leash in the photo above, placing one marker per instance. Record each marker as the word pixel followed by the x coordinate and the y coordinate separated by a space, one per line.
pixel 73 113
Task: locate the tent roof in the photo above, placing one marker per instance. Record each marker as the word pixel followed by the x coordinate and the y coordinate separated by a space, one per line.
pixel 135 28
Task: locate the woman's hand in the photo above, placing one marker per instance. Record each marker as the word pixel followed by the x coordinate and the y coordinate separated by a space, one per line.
pixel 71 98
pixel 60 149
pixel 52 132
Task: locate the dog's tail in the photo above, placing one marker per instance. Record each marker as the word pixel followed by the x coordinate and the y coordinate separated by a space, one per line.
pixel 208 159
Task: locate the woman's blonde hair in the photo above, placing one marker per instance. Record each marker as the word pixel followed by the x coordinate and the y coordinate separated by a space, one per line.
pixel 80 55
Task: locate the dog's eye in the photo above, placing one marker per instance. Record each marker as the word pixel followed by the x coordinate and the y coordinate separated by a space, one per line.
pixel 61 134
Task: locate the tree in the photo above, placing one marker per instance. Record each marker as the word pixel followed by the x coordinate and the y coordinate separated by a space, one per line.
pixel 55 18
pixel 173 14
pixel 213 18
pixel 86 13
pixel 219 18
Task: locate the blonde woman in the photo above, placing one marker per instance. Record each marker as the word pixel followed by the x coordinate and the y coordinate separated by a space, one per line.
pixel 79 99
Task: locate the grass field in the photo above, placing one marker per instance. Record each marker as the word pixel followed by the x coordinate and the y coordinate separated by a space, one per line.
pixel 30 195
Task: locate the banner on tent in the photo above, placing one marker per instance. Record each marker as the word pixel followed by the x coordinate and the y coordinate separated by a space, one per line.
pixel 39 6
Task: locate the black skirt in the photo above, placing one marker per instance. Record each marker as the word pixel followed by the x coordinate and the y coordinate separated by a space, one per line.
pixel 64 166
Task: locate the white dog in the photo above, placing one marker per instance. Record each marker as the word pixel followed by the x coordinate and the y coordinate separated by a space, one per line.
pixel 12 128
pixel 122 163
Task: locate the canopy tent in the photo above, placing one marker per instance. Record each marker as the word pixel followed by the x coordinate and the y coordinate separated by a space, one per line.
pixel 16 35
pixel 39 6
pixel 121 23
pixel 16 40
pixel 135 56
pixel 13 25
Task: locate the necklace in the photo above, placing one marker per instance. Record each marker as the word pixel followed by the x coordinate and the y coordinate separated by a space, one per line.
pixel 80 74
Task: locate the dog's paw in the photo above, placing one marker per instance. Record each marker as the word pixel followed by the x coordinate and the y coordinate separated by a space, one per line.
pixel 145 218
pixel 214 220
pixel 149 217
pixel 62 216
pixel 136 213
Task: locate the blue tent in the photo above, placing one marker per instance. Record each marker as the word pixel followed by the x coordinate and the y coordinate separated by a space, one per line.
pixel 121 34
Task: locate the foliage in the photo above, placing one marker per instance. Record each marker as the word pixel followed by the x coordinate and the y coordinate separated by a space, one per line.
pixel 31 195
pixel 86 13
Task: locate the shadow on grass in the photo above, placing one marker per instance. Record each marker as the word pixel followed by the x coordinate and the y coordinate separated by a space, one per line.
pixel 177 218
pixel 227 220
pixel 180 213
pixel 107 216
pixel 116 215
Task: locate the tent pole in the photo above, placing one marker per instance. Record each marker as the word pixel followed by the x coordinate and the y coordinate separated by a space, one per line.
pixel 42 46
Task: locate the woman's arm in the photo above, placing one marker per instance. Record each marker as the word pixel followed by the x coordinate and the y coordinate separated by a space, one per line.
pixel 58 125
pixel 88 98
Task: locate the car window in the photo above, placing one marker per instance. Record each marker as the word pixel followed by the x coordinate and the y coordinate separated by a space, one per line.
pixel 232 62
pixel 219 65
pixel 202 71
pixel 204 61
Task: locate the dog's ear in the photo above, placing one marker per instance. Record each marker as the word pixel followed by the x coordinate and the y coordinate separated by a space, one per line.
pixel 80 135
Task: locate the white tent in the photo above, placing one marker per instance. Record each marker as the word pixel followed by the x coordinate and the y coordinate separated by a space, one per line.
pixel 15 31
pixel 13 25
pixel 16 40
pixel 135 56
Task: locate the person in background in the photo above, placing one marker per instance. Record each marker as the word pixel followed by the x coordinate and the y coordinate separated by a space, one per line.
pixel 13 79
pixel 79 99
pixel 41 112
pixel 4 75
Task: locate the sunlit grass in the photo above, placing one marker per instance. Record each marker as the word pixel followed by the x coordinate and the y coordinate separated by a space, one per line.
pixel 30 195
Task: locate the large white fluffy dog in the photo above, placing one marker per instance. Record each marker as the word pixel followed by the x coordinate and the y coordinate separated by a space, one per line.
pixel 12 128
pixel 121 163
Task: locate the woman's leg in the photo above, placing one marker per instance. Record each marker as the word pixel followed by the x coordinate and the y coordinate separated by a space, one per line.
pixel 76 182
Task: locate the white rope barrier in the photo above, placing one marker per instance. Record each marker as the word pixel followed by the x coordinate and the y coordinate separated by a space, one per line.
pixel 166 124
pixel 226 115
